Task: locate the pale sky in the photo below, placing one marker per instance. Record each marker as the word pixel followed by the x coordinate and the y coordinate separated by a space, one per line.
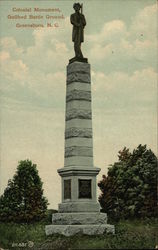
pixel 120 44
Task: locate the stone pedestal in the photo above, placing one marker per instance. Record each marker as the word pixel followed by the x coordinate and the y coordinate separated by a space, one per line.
pixel 79 209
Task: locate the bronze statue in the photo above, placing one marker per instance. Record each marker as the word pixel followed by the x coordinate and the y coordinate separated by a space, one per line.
pixel 78 21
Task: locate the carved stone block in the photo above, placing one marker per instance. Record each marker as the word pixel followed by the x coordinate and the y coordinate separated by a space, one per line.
pixel 78 77
pixel 78 132
pixel 79 114
pixel 78 67
pixel 78 151
pixel 78 95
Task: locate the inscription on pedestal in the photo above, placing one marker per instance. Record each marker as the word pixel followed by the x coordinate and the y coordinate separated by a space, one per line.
pixel 85 189
pixel 67 189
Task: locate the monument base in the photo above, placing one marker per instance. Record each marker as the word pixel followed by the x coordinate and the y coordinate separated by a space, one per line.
pixel 69 230
pixel 79 218
pixel 79 207
pixel 69 224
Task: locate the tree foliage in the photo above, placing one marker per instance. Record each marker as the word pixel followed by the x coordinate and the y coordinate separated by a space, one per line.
pixel 23 199
pixel 130 187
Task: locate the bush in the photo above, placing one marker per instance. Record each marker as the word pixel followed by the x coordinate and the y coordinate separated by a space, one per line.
pixel 23 199
pixel 130 188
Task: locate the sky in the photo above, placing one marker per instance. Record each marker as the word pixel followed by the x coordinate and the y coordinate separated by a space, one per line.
pixel 121 47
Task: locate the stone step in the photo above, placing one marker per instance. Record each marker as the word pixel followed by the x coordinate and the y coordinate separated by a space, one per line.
pixel 85 218
pixel 79 207
pixel 69 230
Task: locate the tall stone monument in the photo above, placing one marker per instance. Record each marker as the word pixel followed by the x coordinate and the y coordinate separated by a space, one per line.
pixel 79 211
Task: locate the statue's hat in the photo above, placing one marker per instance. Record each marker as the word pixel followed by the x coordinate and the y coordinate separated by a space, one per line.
pixel 75 4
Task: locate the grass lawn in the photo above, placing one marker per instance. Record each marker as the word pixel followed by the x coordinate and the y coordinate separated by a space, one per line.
pixel 134 234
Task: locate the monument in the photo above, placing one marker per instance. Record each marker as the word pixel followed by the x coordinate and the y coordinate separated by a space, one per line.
pixel 79 211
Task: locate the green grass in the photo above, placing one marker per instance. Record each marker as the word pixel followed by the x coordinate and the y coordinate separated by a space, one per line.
pixel 134 234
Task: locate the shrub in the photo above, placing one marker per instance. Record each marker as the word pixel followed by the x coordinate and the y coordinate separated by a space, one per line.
pixel 23 199
pixel 130 187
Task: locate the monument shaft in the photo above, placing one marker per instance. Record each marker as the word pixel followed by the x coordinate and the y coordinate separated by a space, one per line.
pixel 78 132
pixel 79 173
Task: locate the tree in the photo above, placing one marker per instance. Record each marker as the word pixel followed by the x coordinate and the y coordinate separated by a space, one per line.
pixel 130 188
pixel 23 199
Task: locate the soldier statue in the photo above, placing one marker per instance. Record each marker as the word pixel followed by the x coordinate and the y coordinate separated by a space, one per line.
pixel 78 21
